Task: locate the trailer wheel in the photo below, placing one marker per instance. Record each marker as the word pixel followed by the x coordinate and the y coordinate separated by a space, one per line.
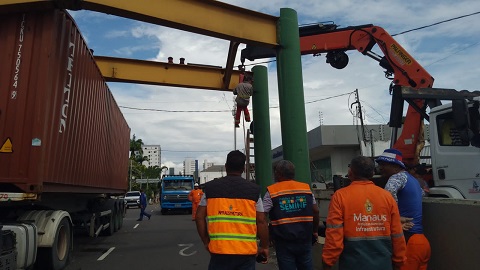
pixel 57 256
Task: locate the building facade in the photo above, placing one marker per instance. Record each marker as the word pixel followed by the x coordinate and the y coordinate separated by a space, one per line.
pixel 331 148
pixel 190 167
pixel 212 172
pixel 207 164
pixel 154 155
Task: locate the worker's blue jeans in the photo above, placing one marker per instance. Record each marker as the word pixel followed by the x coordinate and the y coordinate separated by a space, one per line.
pixel 294 255
pixel 237 262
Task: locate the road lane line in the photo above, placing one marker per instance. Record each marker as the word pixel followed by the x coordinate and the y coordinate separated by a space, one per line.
pixel 105 254
pixel 136 225
pixel 182 252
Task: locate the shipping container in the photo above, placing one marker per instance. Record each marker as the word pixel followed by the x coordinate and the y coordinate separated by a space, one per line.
pixel 64 143
pixel 60 127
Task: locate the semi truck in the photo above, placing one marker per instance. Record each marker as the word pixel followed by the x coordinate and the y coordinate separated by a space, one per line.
pixel 64 142
pixel 174 193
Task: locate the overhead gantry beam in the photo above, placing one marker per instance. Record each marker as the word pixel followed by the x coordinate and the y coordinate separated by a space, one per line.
pixel 169 74
pixel 206 17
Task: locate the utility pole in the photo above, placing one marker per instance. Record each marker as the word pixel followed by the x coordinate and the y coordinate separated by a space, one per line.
pixel 360 115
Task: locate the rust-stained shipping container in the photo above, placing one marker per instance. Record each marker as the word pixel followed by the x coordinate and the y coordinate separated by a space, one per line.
pixel 61 130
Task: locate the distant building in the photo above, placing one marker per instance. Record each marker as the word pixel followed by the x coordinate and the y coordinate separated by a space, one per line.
pixel 331 148
pixel 190 167
pixel 171 171
pixel 212 172
pixel 207 164
pixel 153 153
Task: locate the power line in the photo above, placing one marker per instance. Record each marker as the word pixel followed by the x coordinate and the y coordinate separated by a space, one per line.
pixel 455 52
pixel 437 23
pixel 213 111
pixel 197 151
pixel 175 111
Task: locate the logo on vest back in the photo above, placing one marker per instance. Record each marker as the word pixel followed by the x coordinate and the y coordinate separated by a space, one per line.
pixel 230 212
pixel 293 203
pixel 368 222
pixel 368 206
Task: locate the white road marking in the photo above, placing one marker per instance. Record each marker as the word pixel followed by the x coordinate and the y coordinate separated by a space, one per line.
pixel 136 225
pixel 105 254
pixel 182 252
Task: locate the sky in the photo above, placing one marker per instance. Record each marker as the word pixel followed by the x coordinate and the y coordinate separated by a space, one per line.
pixel 448 51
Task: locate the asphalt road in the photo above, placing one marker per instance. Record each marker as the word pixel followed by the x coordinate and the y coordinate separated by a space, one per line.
pixel 166 242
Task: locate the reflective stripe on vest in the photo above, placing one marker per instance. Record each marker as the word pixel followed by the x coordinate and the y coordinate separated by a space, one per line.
pixel 232 226
pixel 291 220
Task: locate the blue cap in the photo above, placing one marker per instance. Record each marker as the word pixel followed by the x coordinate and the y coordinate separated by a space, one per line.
pixel 391 156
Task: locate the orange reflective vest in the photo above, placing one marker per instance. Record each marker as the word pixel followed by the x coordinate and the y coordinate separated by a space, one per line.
pixel 231 215
pixel 292 213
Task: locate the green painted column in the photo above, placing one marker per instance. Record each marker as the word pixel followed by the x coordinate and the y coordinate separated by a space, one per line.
pixel 291 97
pixel 261 137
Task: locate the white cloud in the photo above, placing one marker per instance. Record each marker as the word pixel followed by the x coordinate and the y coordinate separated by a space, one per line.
pixel 448 51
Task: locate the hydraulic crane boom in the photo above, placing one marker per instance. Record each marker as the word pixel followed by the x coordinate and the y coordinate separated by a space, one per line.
pixel 406 71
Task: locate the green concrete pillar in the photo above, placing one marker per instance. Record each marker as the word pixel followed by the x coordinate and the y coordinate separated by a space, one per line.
pixel 291 97
pixel 261 126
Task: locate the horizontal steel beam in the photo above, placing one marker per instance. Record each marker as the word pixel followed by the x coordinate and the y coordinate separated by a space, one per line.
pixel 211 18
pixel 161 73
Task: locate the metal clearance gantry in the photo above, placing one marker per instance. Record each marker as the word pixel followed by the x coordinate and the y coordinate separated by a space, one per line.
pixel 224 21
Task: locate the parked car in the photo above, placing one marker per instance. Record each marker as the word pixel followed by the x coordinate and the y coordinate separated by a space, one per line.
pixel 132 198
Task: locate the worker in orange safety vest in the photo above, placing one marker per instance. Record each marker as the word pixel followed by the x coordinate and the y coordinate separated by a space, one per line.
pixel 364 230
pixel 194 196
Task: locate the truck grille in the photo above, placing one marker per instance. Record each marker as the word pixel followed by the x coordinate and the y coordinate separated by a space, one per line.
pixel 177 197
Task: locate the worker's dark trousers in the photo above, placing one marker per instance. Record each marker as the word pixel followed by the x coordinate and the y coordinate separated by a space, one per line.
pixel 143 213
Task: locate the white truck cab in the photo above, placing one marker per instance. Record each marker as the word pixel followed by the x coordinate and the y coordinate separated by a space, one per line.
pixel 455 153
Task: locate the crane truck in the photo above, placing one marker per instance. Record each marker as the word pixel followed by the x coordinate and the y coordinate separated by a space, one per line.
pixel 453 165
pixel 64 142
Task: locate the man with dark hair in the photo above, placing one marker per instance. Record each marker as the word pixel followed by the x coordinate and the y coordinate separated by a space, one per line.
pixel 408 193
pixel 363 224
pixel 294 218
pixel 235 217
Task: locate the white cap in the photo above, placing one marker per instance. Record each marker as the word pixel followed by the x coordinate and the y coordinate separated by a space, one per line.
pixel 196 185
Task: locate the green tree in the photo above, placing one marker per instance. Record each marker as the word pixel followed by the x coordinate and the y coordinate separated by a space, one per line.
pixel 136 148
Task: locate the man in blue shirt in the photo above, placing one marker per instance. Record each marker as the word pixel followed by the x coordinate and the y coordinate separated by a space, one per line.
pixel 406 190
pixel 143 206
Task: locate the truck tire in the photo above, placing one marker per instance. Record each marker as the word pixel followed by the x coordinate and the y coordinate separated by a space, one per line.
pixel 57 256
pixel 163 211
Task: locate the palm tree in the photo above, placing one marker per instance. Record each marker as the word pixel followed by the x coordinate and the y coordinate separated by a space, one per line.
pixel 136 148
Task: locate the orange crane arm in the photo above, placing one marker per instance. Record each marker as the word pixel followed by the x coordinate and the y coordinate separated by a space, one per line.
pixel 406 71
pixel 396 60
